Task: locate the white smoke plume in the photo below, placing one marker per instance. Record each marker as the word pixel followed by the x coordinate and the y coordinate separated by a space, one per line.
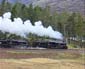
pixel 20 27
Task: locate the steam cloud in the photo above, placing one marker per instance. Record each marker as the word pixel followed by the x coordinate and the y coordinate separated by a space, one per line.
pixel 21 28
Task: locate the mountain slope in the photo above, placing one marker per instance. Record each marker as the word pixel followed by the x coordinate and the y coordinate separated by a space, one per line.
pixel 63 5
pixel 57 5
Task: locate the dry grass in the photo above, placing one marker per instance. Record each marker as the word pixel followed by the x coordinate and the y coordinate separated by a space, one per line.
pixel 40 63
pixel 39 59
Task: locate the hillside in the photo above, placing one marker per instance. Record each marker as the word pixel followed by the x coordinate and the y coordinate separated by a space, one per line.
pixel 63 5
pixel 57 5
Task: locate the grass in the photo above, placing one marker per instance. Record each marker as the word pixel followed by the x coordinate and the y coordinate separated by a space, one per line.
pixel 16 52
pixel 57 55
pixel 71 46
pixel 40 63
pixel 56 60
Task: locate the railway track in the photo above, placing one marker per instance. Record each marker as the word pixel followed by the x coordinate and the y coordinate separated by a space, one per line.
pixel 44 50
pixel 41 53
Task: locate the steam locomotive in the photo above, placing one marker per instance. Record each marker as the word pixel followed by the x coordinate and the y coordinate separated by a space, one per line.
pixel 48 44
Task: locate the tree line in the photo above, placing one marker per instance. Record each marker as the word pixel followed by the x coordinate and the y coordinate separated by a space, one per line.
pixel 71 25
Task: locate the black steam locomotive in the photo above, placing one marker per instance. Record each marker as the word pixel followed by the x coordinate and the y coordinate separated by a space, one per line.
pixel 49 44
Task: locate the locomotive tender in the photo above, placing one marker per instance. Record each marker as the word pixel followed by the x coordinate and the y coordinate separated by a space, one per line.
pixel 49 44
pixel 13 43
